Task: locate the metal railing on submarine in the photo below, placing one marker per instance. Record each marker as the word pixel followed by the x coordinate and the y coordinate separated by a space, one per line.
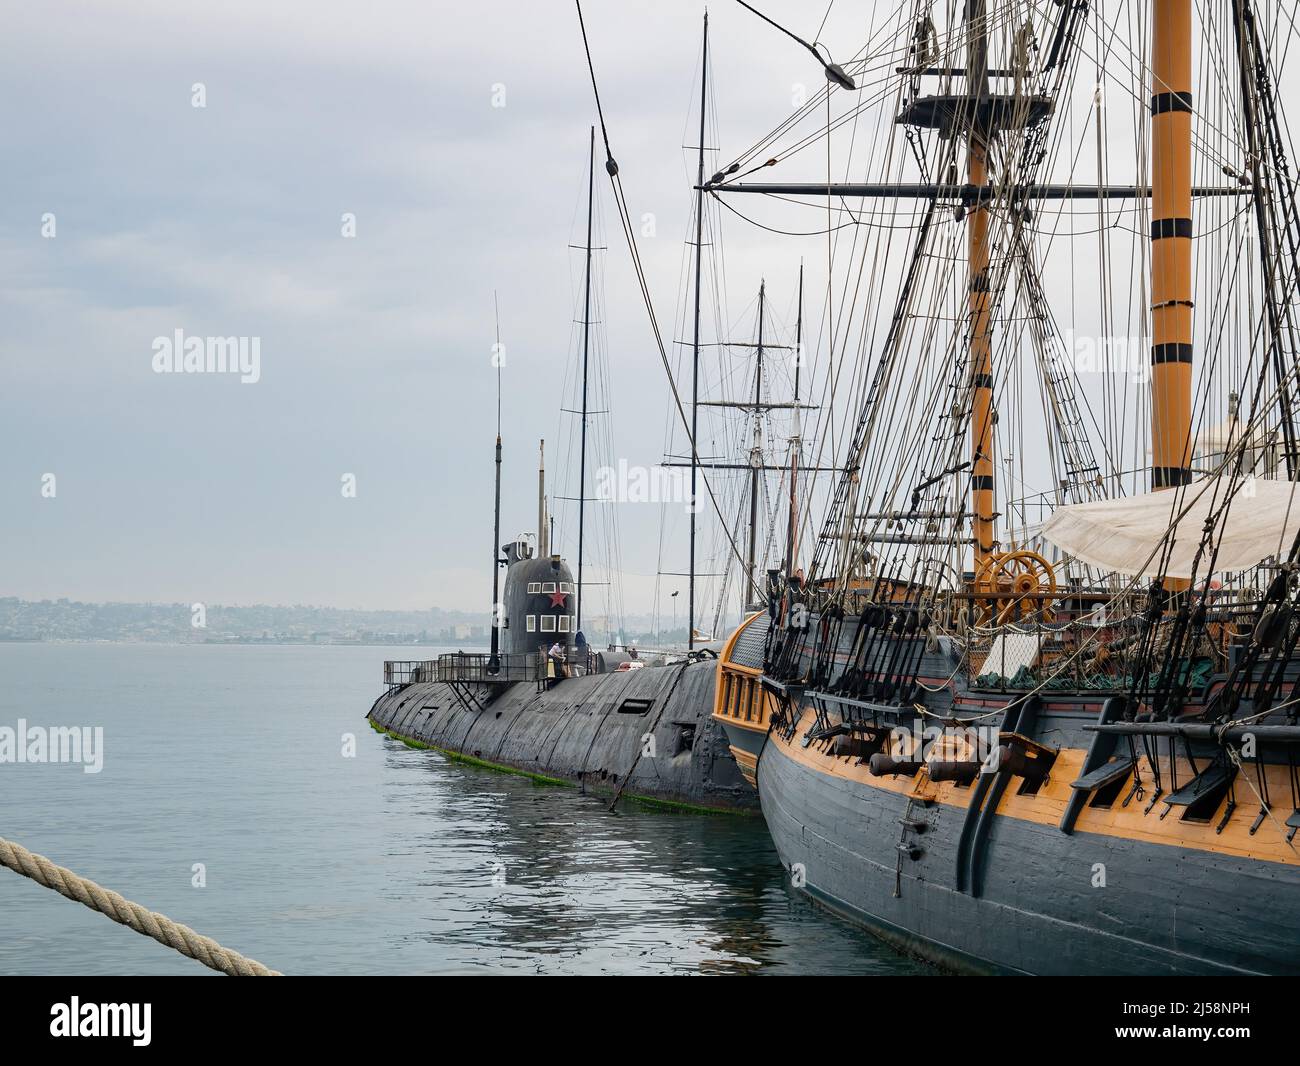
pixel 468 667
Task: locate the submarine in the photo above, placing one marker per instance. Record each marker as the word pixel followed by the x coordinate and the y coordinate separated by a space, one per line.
pixel 545 704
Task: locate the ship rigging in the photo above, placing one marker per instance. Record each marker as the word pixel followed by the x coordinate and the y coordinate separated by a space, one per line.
pixel 1102 565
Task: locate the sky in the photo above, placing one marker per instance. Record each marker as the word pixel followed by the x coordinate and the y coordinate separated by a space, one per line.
pixel 352 187
pixel 454 136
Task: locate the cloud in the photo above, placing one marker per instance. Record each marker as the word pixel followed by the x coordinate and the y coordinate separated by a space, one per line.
pixel 226 221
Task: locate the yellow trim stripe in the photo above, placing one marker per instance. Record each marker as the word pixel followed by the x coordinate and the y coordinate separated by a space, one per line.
pixel 1048 805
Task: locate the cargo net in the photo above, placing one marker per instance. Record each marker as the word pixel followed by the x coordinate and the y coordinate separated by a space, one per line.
pixel 1094 654
pixel 1011 659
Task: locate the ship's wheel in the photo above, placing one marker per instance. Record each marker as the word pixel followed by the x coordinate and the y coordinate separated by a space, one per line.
pixel 1013 585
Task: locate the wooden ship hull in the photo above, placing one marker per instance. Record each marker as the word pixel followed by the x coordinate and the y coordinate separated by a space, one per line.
pixel 1062 869
pixel 1163 909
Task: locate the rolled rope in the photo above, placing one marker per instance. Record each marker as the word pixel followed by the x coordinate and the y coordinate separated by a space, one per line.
pixel 149 923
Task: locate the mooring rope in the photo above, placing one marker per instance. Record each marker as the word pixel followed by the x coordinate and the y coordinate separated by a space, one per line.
pixel 149 923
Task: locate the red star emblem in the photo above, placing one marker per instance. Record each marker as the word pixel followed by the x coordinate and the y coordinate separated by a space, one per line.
pixel 557 599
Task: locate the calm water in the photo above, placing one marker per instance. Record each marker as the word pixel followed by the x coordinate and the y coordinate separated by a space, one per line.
pixel 391 861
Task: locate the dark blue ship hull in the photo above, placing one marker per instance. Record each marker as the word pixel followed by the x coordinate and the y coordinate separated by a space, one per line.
pixel 1049 903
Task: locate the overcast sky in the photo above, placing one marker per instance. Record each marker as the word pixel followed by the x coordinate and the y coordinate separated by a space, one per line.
pixel 375 351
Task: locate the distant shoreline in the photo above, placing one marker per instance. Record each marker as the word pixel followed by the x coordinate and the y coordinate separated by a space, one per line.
pixel 64 621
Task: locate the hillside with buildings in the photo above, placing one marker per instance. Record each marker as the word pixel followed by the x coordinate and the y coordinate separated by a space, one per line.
pixel 181 623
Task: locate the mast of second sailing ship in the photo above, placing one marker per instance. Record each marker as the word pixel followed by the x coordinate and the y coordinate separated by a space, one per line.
pixel 756 448
pixel 1171 243
pixel 695 354
pixel 586 344
pixel 796 443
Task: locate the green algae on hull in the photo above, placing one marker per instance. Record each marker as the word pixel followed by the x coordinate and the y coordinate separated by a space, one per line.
pixel 668 806
pixel 398 736
pixel 468 760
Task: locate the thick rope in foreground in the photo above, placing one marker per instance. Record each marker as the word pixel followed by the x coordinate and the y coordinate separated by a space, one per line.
pixel 149 923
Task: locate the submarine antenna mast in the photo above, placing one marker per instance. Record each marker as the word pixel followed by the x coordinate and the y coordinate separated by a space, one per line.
pixel 494 658
pixel 543 546
pixel 695 353
pixel 586 344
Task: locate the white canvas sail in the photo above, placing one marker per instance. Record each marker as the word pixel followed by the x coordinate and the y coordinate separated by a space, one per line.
pixel 1128 535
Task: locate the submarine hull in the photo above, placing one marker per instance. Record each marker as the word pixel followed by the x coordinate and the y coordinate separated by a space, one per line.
pixel 649 732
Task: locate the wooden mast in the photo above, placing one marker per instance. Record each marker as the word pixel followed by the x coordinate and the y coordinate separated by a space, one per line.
pixel 1171 243
pixel 796 445
pixel 984 528
pixel 756 449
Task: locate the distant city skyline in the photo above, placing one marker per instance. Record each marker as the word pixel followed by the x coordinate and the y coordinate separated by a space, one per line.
pixel 74 620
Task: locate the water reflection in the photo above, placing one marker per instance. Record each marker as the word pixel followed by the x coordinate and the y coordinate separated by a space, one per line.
pixel 524 876
pixel 380 862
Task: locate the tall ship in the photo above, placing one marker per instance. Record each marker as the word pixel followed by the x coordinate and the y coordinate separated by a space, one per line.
pixel 1024 698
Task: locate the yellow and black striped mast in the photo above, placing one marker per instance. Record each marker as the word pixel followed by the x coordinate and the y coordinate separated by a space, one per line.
pixel 1171 243
pixel 984 526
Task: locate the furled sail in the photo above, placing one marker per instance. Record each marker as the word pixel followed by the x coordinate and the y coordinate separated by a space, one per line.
pixel 1129 534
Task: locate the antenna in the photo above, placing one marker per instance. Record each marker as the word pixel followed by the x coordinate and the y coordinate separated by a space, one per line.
pixel 496 312
pixel 494 659
pixel 543 541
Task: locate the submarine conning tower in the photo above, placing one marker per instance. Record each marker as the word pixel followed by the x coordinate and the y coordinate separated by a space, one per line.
pixel 538 601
